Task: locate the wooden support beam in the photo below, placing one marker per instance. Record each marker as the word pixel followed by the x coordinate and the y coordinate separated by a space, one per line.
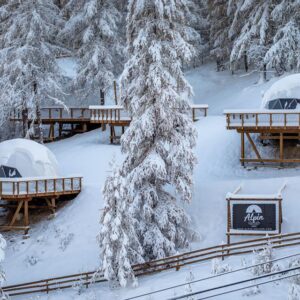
pixel 26 214
pixel 14 218
pixel 281 146
pixel 253 145
pixel 242 147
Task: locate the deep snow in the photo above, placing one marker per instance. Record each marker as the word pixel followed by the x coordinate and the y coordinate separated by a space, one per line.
pixel 67 244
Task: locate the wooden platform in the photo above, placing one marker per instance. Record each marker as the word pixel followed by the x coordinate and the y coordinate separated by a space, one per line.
pixel 19 194
pixel 272 125
pixel 64 123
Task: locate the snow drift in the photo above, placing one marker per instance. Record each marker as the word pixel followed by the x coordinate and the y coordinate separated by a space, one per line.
pixel 30 158
pixel 287 87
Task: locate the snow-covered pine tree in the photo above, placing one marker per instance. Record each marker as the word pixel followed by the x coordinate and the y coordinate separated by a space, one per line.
pixel 2 275
pixel 220 44
pixel 253 40
pixel 119 245
pixel 199 31
pixel 284 53
pixel 29 72
pixel 159 141
pixel 92 31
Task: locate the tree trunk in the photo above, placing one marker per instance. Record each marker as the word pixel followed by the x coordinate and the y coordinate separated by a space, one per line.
pixel 102 97
pixel 246 61
pixel 24 120
pixel 38 115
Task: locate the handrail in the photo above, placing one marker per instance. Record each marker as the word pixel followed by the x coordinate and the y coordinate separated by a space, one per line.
pixel 22 187
pixel 172 262
pixel 262 118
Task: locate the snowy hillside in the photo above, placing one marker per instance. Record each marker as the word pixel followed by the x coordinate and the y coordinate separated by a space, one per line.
pixel 67 244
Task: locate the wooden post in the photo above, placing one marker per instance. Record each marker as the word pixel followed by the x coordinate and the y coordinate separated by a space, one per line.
pixel 281 146
pixel 243 148
pixel 115 92
pixel 26 213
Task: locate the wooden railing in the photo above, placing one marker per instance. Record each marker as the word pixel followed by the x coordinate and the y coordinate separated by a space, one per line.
pixel 38 187
pixel 116 113
pixel 108 114
pixel 56 113
pixel 271 119
pixel 173 262
pixel 202 108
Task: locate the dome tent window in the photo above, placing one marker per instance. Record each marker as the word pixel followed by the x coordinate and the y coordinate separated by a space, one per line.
pixel 9 172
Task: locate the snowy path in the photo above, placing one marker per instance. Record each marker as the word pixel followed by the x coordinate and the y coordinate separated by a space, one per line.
pixel 67 244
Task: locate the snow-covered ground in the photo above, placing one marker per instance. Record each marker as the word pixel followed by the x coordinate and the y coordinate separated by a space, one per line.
pixel 67 244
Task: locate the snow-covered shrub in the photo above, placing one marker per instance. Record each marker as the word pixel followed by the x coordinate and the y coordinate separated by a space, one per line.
pixel 264 258
pixel 294 292
pixel 252 291
pixel 294 263
pixel 218 267
pixel 188 287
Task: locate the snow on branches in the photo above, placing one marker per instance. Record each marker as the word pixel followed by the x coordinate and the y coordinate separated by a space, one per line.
pixel 92 32
pixel 159 142
pixel 29 74
pixel 119 244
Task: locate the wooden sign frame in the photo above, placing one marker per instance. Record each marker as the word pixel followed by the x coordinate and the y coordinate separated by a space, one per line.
pixel 234 198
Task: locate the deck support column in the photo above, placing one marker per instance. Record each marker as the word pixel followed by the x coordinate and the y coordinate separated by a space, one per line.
pixel 243 148
pixel 281 146
pixel 26 214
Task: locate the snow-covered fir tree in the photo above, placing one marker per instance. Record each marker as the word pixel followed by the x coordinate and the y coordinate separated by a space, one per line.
pixel 2 275
pixel 92 31
pixel 220 44
pixel 119 245
pixel 29 72
pixel 159 141
pixel 198 26
pixel 253 41
pixel 284 53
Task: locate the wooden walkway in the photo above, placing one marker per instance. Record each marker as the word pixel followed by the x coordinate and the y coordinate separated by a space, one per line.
pixel 272 125
pixel 75 120
pixel 176 262
pixel 23 194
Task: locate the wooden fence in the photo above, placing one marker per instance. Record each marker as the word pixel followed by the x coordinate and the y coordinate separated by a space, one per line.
pixel 174 262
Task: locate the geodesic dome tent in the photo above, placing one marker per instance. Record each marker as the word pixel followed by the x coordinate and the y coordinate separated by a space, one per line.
pixel 283 94
pixel 29 158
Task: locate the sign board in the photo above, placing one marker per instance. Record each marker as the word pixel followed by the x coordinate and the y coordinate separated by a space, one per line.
pixel 9 172
pixel 260 217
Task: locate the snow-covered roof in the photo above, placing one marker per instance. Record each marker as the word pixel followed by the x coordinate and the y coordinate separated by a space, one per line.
pixel 287 87
pixel 30 158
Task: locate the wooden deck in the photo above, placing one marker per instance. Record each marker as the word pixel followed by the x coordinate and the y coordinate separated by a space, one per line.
pixel 62 122
pixel 272 125
pixel 22 194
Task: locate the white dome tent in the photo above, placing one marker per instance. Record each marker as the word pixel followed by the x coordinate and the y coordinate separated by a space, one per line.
pixel 283 94
pixel 29 158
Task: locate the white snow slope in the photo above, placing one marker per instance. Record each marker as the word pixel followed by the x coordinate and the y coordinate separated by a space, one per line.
pixel 67 244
